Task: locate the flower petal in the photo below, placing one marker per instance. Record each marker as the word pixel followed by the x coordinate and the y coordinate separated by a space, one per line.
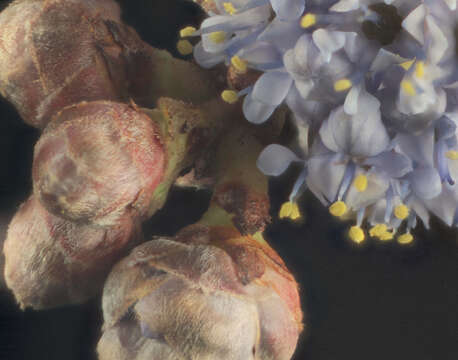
pixel 206 59
pixel 425 182
pixel 438 42
pixel 288 9
pixel 414 23
pixel 345 5
pixel 393 164
pixel 272 87
pixel 328 42
pixel 444 205
pixel 361 135
pixel 376 189
pixel 325 176
pixel 419 148
pixel 275 159
pixel 261 53
pixel 282 34
pixel 256 111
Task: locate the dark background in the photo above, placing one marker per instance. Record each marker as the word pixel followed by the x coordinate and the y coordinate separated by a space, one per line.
pixel 378 302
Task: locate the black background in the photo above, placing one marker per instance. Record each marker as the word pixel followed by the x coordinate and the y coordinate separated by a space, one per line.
pixel 378 301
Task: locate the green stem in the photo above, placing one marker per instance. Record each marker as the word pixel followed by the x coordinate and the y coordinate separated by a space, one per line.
pixel 240 200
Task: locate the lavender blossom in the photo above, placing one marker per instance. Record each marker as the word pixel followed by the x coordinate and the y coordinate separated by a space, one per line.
pixel 376 79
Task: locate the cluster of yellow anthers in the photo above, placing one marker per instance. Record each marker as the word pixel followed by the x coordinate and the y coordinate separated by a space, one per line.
pixel 184 47
pixel 240 66
pixel 407 85
pixel 379 231
pixel 291 211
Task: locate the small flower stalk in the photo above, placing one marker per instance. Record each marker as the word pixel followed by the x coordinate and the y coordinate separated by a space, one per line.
pixel 372 84
pixel 215 290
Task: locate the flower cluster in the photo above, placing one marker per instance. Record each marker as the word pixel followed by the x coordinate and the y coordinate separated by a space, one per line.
pixel 372 83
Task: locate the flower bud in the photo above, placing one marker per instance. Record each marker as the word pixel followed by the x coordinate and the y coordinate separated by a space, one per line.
pixel 98 162
pixel 59 52
pixel 210 294
pixel 51 262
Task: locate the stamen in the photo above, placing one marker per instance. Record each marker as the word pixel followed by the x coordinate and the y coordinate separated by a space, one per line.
pixel 420 69
pixel 239 64
pixel 377 230
pixel 389 204
pixel 230 96
pixel 339 208
pixel 442 163
pixel 406 65
pixel 342 85
pixel 187 31
pixel 218 37
pixel 308 20
pixel 360 182
pixel 229 7
pixel 408 87
pixel 381 232
pixel 289 210
pixel 404 239
pixel 184 47
pixel 356 234
pixel 452 155
pixel 386 236
pixel 401 212
pixel 346 180
pixel 299 185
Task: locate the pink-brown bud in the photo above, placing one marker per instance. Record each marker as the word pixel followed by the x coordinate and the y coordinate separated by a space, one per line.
pixel 51 262
pixel 212 294
pixel 98 162
pixel 55 53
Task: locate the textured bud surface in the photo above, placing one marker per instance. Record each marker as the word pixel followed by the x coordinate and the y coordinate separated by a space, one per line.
pixel 233 299
pixel 51 262
pixel 97 162
pixel 43 68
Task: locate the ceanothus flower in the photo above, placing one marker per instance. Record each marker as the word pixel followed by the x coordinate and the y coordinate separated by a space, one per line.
pixel 375 80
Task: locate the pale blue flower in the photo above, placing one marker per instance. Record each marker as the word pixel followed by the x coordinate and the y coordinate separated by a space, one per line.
pixel 375 82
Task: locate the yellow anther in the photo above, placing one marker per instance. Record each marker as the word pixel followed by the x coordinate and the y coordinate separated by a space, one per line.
pixel 308 20
pixel 230 9
pixel 387 235
pixel 289 210
pixel 406 238
pixel 378 230
pixel 187 31
pixel 408 87
pixel 381 231
pixel 356 234
pixel 360 182
pixel 342 85
pixel 229 96
pixel 184 47
pixel 406 65
pixel 452 154
pixel 420 69
pixel 239 64
pixel 401 211
pixel 339 208
pixel 218 37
